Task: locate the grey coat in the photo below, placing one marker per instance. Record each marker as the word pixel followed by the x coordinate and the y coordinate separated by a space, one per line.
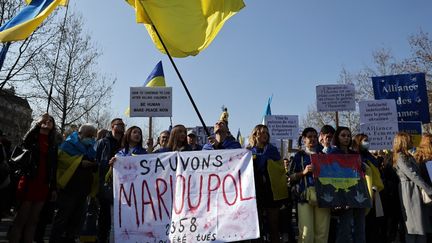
pixel 413 210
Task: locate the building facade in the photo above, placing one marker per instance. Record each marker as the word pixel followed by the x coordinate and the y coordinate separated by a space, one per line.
pixel 15 116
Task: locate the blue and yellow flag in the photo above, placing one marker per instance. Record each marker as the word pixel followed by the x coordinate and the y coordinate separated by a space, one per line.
pixel 267 110
pixel 155 79
pixel 61 2
pixel 27 20
pixel 186 27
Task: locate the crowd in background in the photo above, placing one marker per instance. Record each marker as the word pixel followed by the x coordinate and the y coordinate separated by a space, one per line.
pixel 67 176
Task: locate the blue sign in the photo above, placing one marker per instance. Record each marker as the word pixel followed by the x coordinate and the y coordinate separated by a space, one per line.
pixel 409 91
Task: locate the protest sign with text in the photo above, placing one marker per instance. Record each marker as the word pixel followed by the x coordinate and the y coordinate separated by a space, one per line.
pixel 372 111
pixel 206 196
pixel 150 101
pixel 335 97
pixel 380 134
pixel 409 91
pixel 282 126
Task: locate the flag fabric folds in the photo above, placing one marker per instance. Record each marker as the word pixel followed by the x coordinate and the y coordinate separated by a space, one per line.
pixel 155 79
pixel 186 27
pixel 27 20
pixel 61 2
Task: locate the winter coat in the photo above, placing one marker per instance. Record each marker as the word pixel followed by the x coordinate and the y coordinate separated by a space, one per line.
pixel 413 209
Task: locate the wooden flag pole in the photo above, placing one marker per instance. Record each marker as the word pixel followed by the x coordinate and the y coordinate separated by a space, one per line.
pixel 183 83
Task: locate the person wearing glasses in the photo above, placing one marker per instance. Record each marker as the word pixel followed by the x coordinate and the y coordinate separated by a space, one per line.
pixel 106 148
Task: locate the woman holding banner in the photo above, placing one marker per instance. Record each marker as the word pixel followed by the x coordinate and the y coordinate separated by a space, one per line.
pixel 263 152
pixel 411 183
pixel 177 140
pixel 347 216
pixel 313 222
pixel 132 144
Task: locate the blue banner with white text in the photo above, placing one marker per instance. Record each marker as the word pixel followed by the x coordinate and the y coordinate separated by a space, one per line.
pixel 409 91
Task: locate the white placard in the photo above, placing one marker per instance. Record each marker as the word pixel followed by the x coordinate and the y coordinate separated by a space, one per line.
pixel 429 169
pixel 150 101
pixel 380 134
pixel 372 111
pixel 200 196
pixel 282 126
pixel 335 97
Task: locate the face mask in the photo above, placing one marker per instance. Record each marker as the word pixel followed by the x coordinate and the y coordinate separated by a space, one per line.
pixel 365 145
pixel 88 141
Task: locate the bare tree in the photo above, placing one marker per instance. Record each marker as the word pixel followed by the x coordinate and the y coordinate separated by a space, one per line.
pixel 383 64
pixel 78 89
pixel 21 53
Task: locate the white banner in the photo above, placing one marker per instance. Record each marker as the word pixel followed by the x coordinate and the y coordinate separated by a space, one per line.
pixel 335 97
pixel 380 134
pixel 150 101
pixel 378 111
pixel 282 127
pixel 203 196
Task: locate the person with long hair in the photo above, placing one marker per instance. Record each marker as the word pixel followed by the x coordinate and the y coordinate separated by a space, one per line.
pixel 40 185
pixel 313 221
pixel 374 219
pixel 263 151
pixel 132 143
pixel 177 140
pixel 422 155
pixel 411 183
pixel 351 226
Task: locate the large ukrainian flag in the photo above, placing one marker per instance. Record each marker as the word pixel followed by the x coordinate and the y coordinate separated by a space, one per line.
pixel 186 26
pixel 28 19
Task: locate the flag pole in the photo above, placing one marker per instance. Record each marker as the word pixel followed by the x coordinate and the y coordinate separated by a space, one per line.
pixel 57 57
pixel 182 81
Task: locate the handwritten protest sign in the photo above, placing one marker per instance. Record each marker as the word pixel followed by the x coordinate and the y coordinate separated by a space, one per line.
pixel 335 97
pixel 203 196
pixel 150 101
pixel 339 181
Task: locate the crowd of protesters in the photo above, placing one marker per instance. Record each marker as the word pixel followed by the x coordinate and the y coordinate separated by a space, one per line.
pixel 67 171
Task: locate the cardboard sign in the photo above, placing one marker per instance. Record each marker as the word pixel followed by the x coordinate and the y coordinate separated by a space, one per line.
pixel 282 126
pixel 380 134
pixel 339 181
pixel 409 92
pixel 200 196
pixel 372 111
pixel 335 97
pixel 150 101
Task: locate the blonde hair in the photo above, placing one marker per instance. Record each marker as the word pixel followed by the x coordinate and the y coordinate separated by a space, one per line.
pixel 253 138
pixel 402 142
pixel 424 150
pixel 173 143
